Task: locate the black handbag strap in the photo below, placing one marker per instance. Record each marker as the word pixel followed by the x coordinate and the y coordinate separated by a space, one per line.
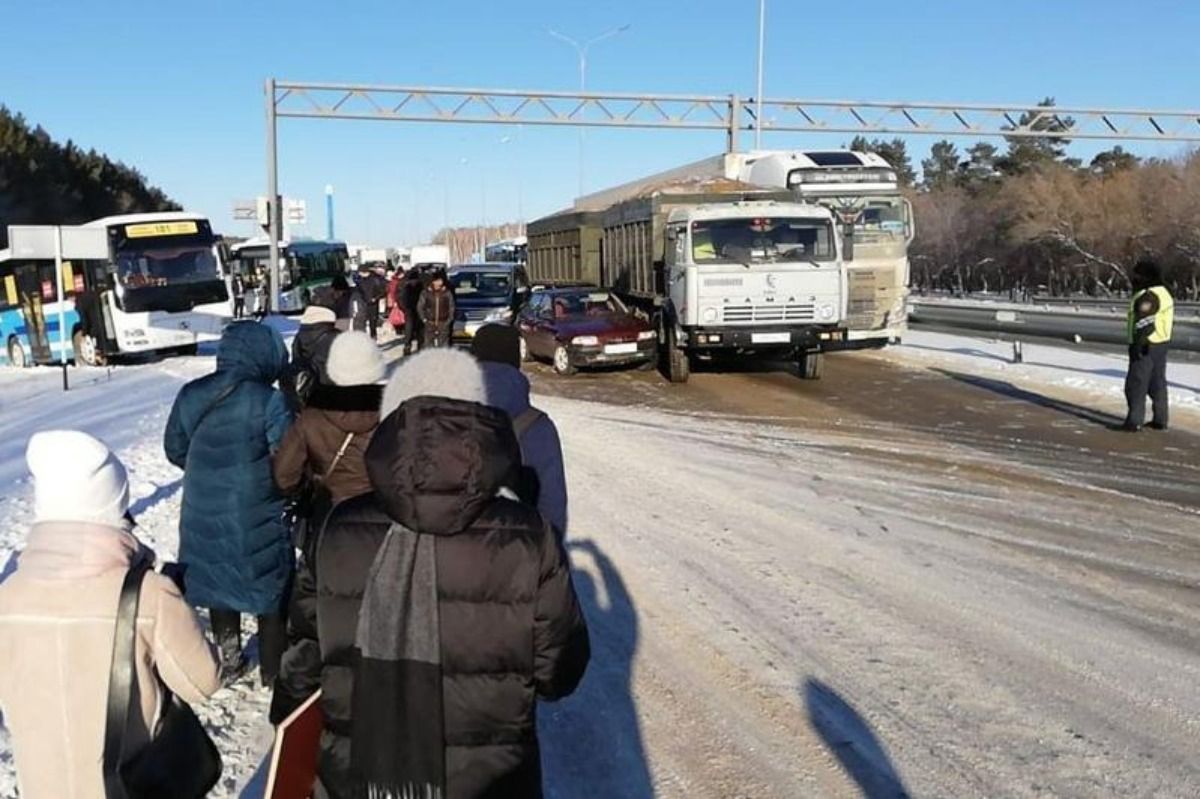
pixel 221 397
pixel 121 676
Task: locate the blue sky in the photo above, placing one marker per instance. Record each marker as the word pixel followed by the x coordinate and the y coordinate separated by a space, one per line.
pixel 176 88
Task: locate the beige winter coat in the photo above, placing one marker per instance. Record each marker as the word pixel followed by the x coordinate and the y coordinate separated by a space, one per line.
pixel 56 650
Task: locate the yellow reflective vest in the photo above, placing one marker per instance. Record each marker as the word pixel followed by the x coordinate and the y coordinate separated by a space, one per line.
pixel 1162 321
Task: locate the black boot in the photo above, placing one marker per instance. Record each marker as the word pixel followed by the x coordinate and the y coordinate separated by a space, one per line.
pixel 227 629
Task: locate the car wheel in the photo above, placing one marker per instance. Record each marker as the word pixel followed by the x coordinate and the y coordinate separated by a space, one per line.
pixel 562 361
pixel 16 354
pixel 525 356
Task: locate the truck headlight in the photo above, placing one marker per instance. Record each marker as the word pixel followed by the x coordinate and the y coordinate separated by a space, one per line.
pixel 710 314
pixel 826 311
pixel 501 315
pixel 585 341
pixel 646 335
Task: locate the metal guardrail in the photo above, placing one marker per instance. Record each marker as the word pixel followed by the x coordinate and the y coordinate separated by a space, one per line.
pixel 1091 325
pixel 1112 304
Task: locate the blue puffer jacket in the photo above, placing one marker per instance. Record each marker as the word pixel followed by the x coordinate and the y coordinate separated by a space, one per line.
pixel 232 540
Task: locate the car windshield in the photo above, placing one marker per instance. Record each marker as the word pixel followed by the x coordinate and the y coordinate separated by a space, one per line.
pixel 481 284
pixel 590 304
pixel 143 266
pixel 761 240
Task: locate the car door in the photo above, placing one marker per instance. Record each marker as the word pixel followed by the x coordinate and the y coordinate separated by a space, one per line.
pixel 527 322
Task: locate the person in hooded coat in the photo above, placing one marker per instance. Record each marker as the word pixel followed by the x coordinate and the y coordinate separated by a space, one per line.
pixel 57 620
pixel 498 349
pixel 505 628
pixel 233 544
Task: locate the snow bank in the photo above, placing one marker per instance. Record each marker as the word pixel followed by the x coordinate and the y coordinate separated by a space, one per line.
pixel 1097 374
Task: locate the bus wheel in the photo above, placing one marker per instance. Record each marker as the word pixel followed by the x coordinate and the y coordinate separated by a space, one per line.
pixel 16 354
pixel 812 364
pixel 86 350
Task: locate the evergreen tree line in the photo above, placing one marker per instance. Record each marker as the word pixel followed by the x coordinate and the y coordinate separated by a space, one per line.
pixel 43 182
pixel 1028 219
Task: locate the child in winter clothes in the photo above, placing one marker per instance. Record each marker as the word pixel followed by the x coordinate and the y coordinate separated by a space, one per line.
pixel 57 619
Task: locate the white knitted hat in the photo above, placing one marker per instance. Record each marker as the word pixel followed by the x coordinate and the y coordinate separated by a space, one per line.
pixel 76 479
pixel 315 314
pixel 436 372
pixel 354 360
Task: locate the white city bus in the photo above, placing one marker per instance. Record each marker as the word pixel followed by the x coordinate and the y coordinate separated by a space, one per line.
pixel 306 265
pixel 160 288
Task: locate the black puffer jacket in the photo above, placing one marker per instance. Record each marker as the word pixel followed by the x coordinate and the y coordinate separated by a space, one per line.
pixel 511 628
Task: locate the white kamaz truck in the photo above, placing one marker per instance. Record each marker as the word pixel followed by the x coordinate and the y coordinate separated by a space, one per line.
pixel 722 267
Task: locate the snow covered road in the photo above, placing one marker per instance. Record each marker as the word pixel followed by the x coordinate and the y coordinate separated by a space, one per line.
pixel 895 581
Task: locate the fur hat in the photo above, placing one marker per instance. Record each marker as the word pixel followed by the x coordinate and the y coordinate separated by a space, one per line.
pixel 437 372
pixel 498 344
pixel 76 479
pixel 354 360
pixel 316 314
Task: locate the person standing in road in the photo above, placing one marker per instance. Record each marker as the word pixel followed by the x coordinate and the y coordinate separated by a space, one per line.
pixel 310 352
pixel 57 621
pixel 498 349
pixel 444 608
pixel 233 543
pixel 436 309
pixel 414 286
pixel 237 285
pixel 1151 318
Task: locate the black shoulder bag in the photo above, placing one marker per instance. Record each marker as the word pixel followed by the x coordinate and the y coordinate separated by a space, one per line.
pixel 180 761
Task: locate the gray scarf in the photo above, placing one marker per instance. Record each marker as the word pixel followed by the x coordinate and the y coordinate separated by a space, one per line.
pixel 398 739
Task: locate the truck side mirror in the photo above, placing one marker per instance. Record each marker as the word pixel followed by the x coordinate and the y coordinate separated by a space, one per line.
pixel 672 234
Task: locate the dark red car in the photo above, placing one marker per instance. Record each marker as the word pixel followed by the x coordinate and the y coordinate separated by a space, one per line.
pixel 583 327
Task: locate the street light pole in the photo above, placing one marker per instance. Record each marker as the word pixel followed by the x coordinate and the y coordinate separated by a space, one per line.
pixel 581 49
pixel 758 92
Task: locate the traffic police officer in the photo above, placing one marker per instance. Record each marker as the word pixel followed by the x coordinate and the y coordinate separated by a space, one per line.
pixel 1151 317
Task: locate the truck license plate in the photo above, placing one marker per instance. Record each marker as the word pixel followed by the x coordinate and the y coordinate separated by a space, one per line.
pixel 771 338
pixel 620 349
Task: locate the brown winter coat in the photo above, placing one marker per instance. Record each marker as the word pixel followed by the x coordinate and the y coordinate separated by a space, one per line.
pixel 312 443
pixel 57 647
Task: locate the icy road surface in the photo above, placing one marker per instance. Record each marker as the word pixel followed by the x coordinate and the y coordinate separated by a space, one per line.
pixel 894 581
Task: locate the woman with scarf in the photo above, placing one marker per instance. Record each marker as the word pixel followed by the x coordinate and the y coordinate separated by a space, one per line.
pixel 57 620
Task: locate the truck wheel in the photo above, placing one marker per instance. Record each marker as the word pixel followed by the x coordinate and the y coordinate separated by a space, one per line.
pixel 86 350
pixel 679 368
pixel 16 354
pixel 562 361
pixel 811 364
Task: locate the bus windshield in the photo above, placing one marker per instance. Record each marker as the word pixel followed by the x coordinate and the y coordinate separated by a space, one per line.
pixel 481 284
pixel 761 241
pixel 168 264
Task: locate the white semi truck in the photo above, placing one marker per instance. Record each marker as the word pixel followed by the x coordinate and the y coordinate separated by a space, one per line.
pixel 722 267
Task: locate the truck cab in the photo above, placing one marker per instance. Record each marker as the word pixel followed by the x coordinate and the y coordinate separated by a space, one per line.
pixel 752 276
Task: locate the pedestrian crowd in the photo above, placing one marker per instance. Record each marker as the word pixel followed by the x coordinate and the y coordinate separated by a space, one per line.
pixel 396 539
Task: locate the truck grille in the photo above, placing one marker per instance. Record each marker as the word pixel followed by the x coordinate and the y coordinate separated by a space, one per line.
pixel 770 313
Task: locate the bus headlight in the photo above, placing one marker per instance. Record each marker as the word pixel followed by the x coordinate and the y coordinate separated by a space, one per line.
pixel 710 314
pixel 826 311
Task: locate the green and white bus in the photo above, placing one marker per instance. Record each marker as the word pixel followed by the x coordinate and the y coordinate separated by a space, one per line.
pixel 306 265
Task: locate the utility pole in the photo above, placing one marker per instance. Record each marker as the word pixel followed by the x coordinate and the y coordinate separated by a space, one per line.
pixel 758 92
pixel 275 213
pixel 581 49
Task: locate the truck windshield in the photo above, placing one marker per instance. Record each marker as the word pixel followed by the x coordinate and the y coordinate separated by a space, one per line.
pixel 761 240
pixel 481 284
pixel 881 221
pixel 164 264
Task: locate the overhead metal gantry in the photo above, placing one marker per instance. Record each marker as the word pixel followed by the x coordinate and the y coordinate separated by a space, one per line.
pixel 728 113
